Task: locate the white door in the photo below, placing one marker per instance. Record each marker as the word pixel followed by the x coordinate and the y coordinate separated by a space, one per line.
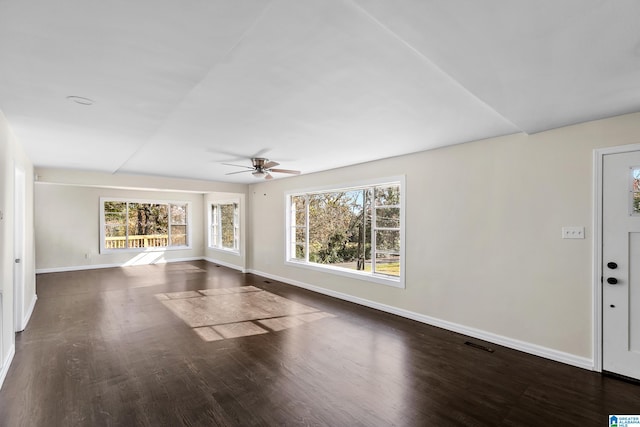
pixel 1 330
pixel 18 247
pixel 621 264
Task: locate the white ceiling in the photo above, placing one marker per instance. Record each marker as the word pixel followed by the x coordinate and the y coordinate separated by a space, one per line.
pixel 183 86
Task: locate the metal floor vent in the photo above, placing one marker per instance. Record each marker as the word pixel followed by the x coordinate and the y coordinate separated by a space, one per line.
pixel 478 346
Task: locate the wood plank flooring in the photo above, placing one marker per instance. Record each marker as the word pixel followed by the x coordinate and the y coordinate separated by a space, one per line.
pixel 103 350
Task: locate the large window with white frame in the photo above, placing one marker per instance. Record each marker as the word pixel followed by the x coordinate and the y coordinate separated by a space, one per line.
pixel 225 226
pixel 139 225
pixel 356 230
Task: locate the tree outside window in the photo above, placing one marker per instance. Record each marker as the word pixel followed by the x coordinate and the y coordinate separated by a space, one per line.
pixel 355 229
pixel 225 226
pixel 137 224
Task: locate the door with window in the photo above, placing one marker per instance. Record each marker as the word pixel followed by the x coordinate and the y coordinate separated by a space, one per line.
pixel 621 264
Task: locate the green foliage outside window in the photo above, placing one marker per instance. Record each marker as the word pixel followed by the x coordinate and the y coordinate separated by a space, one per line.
pixel 143 225
pixel 225 226
pixel 636 190
pixel 342 230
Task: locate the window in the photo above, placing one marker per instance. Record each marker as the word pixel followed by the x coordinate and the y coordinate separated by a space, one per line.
pixel 225 226
pixel 635 191
pixel 354 231
pixel 137 225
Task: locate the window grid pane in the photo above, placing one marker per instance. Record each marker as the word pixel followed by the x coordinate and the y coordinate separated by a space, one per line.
pixel 178 225
pixel 388 263
pixel 115 230
pixel 635 191
pixel 388 217
pixel 227 214
pixel 214 225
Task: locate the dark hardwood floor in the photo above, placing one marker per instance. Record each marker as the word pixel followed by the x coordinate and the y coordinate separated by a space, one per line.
pixel 102 350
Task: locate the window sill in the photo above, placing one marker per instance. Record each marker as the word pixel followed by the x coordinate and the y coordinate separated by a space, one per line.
pixel 396 282
pixel 104 251
pixel 225 251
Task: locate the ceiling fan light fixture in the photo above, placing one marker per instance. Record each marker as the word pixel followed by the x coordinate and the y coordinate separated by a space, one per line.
pixel 261 168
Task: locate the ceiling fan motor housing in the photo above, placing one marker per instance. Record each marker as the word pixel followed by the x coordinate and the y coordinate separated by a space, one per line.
pixel 262 168
pixel 258 162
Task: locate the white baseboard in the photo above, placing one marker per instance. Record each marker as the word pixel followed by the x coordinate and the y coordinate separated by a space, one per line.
pixel 225 264
pixel 98 266
pixel 6 364
pixel 526 347
pixel 534 349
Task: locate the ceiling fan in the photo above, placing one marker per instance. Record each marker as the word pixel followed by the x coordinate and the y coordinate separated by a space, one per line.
pixel 262 168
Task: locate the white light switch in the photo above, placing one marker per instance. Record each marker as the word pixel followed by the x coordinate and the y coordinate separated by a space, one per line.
pixel 573 232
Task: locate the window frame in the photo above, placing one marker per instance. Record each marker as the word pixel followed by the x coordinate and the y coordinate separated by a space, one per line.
pixel 236 226
pixel 379 278
pixel 168 203
pixel 633 191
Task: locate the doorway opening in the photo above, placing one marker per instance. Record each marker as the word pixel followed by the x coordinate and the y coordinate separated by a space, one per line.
pixel 19 199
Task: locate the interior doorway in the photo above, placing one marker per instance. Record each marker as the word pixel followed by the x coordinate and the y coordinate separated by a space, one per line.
pixel 19 247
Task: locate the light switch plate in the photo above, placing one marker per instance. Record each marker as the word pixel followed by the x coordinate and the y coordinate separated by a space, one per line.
pixel 573 232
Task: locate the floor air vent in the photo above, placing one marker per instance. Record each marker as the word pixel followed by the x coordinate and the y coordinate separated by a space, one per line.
pixel 478 346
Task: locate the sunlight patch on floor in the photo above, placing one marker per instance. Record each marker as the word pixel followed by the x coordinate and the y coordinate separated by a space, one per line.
pixel 222 313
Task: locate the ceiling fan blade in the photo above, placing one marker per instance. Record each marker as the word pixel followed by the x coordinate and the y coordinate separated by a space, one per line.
pixel 261 153
pixel 229 156
pixel 233 173
pixel 238 166
pixel 285 171
pixel 269 165
pixel 268 176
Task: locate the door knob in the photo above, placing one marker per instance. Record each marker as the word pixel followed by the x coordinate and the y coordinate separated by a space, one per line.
pixel 612 265
pixel 612 280
pixel 17 260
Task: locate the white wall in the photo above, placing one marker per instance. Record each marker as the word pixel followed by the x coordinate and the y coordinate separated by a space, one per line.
pixel 68 228
pixel 483 220
pixel 12 155
pixel 483 227
pixel 67 217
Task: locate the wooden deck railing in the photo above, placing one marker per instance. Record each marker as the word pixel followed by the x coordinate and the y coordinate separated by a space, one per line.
pixel 150 241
